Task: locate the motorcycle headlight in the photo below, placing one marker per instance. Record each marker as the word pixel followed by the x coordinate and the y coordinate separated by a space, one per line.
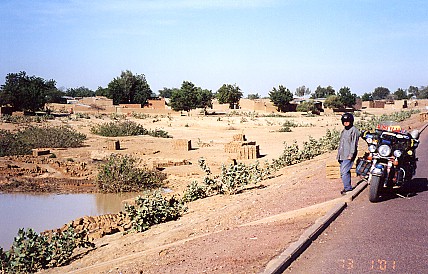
pixel 372 148
pixel 384 150
pixel 397 153
pixel 369 140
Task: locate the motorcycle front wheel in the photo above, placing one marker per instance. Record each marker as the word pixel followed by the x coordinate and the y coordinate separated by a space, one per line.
pixel 374 189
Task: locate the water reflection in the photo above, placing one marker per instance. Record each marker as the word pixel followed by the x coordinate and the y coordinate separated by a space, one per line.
pixel 48 211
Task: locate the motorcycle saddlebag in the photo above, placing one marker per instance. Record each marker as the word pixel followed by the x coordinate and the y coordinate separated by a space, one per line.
pixel 363 166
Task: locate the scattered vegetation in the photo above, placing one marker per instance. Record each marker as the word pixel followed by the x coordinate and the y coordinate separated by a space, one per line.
pixel 370 125
pixel 32 252
pixel 152 208
pixel 24 119
pixel 121 174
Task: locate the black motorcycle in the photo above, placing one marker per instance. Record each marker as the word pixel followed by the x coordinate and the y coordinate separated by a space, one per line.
pixel 390 161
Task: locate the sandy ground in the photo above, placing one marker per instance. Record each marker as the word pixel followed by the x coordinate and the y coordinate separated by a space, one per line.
pixel 220 234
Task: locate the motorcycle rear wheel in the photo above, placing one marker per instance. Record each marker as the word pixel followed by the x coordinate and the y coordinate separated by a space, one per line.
pixel 374 189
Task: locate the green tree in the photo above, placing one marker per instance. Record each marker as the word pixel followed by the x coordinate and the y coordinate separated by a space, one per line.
pixel 281 97
pixel 321 92
pixel 306 106
pixel 380 93
pixel 400 94
pixel 29 93
pixel 204 98
pixel 367 97
pixel 333 101
pixel 166 92
pixel 79 92
pixel 347 98
pixel 413 91
pixel 229 94
pixel 302 91
pixel 103 92
pixel 129 89
pixel 423 93
pixel 253 96
pixel 185 98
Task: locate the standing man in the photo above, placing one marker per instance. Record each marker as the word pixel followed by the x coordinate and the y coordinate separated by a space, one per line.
pixel 347 150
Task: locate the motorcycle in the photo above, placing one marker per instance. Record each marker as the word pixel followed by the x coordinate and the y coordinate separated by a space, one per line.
pixel 391 159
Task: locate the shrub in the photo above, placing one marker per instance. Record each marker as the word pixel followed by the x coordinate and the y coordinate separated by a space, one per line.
pixel 153 208
pixel 22 141
pixel 232 180
pixel 126 128
pixel 10 144
pixel 194 192
pixel 31 252
pixel 292 154
pixel 118 128
pixel 121 174
pixel 158 133
pixel 45 136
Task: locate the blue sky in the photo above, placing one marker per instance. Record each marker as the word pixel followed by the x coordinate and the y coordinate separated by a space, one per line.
pixel 258 44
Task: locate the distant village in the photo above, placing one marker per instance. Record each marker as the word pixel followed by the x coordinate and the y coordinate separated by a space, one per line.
pixel 103 105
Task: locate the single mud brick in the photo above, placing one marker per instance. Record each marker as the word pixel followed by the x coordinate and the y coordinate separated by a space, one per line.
pixel 113 145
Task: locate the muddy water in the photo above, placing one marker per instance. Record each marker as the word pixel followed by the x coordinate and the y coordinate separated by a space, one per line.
pixel 50 211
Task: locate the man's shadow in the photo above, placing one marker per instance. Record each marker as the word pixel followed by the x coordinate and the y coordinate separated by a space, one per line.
pixel 415 186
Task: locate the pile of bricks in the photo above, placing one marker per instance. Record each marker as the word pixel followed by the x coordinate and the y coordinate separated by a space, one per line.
pixel 245 150
pixel 332 169
pixel 113 145
pixel 98 226
pixel 156 164
pixel 182 144
pixel 423 116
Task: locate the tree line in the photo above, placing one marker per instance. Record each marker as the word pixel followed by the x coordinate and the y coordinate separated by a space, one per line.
pixel 31 93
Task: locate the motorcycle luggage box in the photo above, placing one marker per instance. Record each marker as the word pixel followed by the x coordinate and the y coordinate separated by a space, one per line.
pixel 363 167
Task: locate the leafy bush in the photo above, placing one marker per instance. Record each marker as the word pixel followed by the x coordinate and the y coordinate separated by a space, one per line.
pixel 232 180
pixel 194 192
pixel 153 208
pixel 125 128
pixel 31 252
pixel 22 141
pixel 121 174
pixel 159 133
pixel 46 136
pixel 118 128
pixel 292 154
pixel 10 144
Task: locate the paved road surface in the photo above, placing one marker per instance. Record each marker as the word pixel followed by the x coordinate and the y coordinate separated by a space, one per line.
pixel 386 237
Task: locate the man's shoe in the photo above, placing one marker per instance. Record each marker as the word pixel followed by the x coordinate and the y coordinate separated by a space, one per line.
pixel 343 191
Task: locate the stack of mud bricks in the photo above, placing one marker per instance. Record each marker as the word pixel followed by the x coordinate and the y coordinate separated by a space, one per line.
pixel 332 170
pixel 245 150
pixel 182 144
pixel 423 116
pixel 40 152
pixel 113 145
